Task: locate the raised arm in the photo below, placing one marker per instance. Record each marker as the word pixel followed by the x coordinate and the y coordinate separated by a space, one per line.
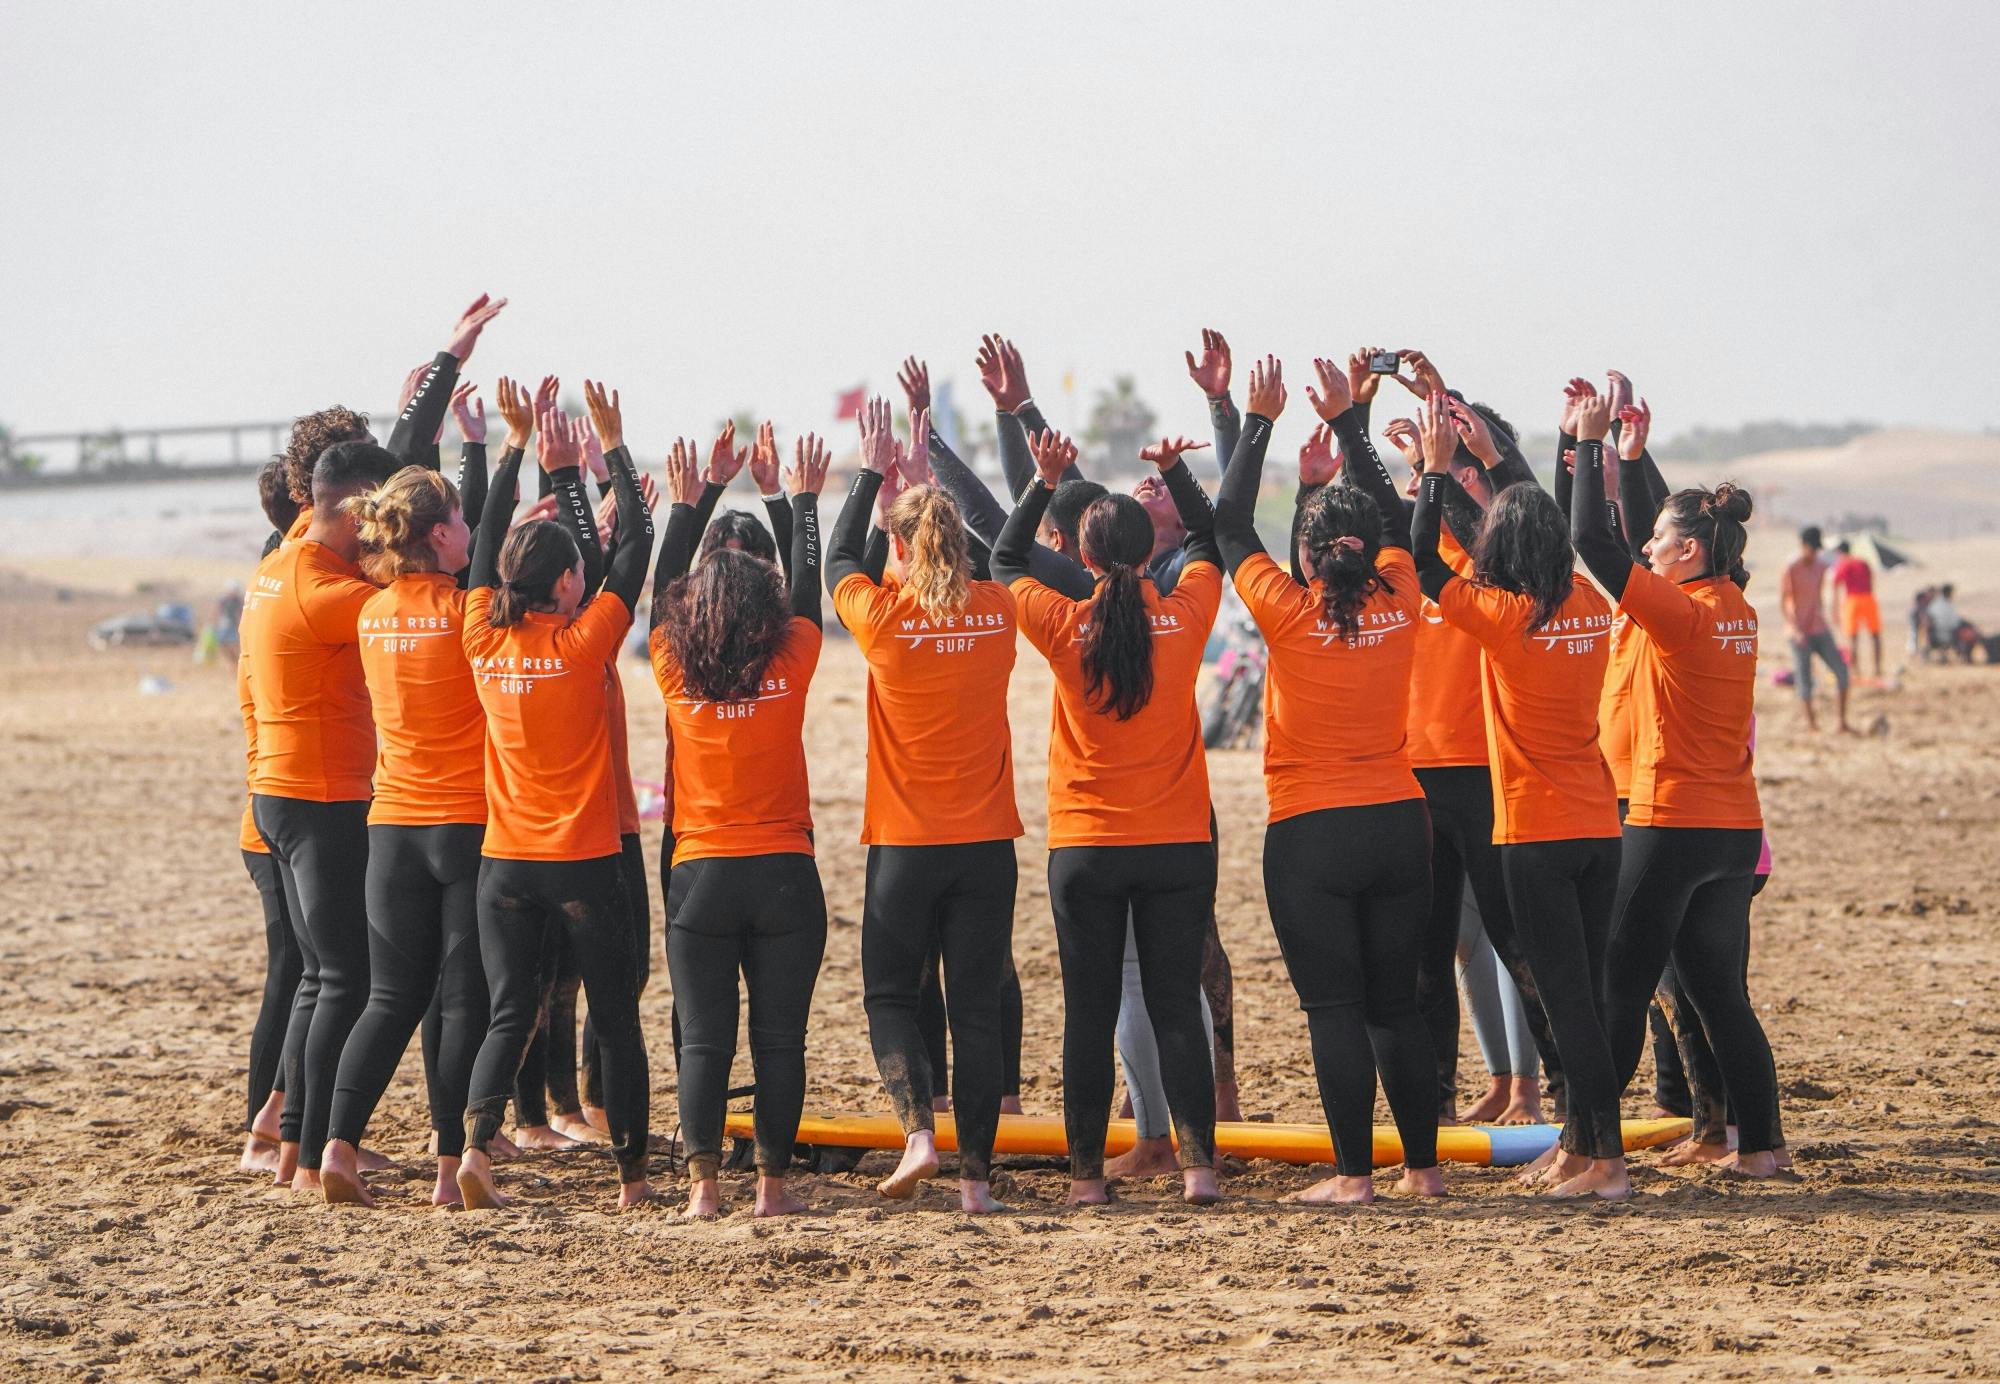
pixel 424 414
pixel 1438 435
pixel 806 479
pixel 493 519
pixel 1191 503
pixel 1006 380
pixel 1641 487
pixel 626 572
pixel 1236 500
pixel 1362 466
pixel 684 522
pixel 764 470
pixel 470 414
pixel 1211 375
pixel 1592 522
pixel 1053 454
pixel 561 460
pixel 878 458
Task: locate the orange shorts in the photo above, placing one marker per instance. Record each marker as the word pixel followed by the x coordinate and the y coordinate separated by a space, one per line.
pixel 1860 613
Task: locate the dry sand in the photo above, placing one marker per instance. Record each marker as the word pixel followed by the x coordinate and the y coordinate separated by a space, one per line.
pixel 130 958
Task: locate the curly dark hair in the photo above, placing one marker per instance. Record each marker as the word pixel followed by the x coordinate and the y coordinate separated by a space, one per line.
pixel 1715 518
pixel 312 435
pixel 1524 547
pixel 733 528
pixel 274 494
pixel 724 621
pixel 1347 573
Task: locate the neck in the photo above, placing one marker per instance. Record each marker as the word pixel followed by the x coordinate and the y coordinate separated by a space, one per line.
pixel 331 530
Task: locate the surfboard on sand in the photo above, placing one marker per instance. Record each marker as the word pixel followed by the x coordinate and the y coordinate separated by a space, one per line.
pixel 1497 1146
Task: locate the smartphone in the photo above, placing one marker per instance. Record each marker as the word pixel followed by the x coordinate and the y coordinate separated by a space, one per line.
pixel 1384 363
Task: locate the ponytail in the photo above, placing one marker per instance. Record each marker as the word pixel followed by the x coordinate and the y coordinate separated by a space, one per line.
pixel 928 525
pixel 532 561
pixel 1715 519
pixel 393 522
pixel 1342 533
pixel 1117 643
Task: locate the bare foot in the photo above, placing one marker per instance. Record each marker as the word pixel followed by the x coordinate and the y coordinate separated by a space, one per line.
pixel 1421 1182
pixel 1089 1191
pixel 475 1183
pixel 1011 1105
pixel 1448 1115
pixel 704 1199
pixel 260 1155
pixel 596 1117
pixel 976 1198
pixel 288 1164
pixel 306 1180
pixel 1689 1152
pixel 500 1148
pixel 1198 1187
pixel 774 1200
pixel 630 1194
pixel 1751 1164
pixel 1146 1158
pixel 541 1137
pixel 340 1177
pixel 920 1160
pixel 369 1161
pixel 1535 1171
pixel 578 1129
pixel 1783 1157
pixel 1604 1177
pixel 1487 1107
pixel 446 1192
pixel 1337 1191
pixel 1660 1112
pixel 1524 1102
pixel 1227 1106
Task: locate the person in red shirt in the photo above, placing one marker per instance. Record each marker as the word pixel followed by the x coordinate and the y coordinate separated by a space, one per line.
pixel 1347 850
pixel 1801 593
pixel 734 655
pixel 550 859
pixel 1854 588
pixel 938 818
pixel 1544 633
pixel 1693 827
pixel 1129 820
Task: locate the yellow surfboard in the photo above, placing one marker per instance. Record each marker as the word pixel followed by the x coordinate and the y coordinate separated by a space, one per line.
pixel 1498 1146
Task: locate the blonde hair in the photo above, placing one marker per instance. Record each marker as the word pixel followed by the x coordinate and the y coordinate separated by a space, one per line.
pixel 394 522
pixel 927 522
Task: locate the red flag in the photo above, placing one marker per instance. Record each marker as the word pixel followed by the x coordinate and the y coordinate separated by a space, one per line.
pixel 848 403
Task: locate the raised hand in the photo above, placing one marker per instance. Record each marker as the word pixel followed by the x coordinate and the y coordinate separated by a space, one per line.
pixel 1001 372
pixel 471 323
pixel 807 475
pixel 1437 431
pixel 914 460
pixel 1167 451
pixel 607 520
pixel 893 486
pixel 1333 397
pixel 1638 421
pixel 469 413
pixel 684 472
pixel 410 383
pixel 517 411
pixel 605 418
pixel 546 393
pixel 543 508
pixel 1211 372
pixel 915 377
pixel 725 458
pixel 1472 428
pixel 1361 381
pixel 1574 393
pixel 1619 390
pixel 593 451
pixel 878 437
pixel 1593 417
pixel 555 449
pixel 1267 388
pixel 1424 378
pixel 1053 454
pixel 764 464
pixel 1319 461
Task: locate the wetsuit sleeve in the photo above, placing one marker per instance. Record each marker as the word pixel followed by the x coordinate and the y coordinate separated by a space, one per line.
pixel 805 557
pixel 1227 425
pixel 1197 515
pixel 704 509
pixel 779 513
pixel 1434 574
pixel 472 482
pixel 485 570
pixel 1236 499
pixel 429 456
pixel 983 514
pixel 676 552
pixel 272 542
pixel 1636 506
pixel 573 513
pixel 981 557
pixel 1565 483
pixel 1017 536
pixel 875 557
pixel 417 427
pixel 1592 525
pixel 1016 463
pixel 1512 468
pixel 1363 467
pixel 625 574
pixel 846 556
pixel 1656 484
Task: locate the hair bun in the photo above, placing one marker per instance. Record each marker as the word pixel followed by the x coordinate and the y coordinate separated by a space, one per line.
pixel 1729 501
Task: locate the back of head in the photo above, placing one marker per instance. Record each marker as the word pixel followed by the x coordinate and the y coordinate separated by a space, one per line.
pixel 394 522
pixel 532 561
pixel 274 495
pixel 1844 548
pixel 927 523
pixel 1715 518
pixel 1341 531
pixel 723 621
pixel 1524 547
pixel 348 468
pixel 312 435
pixel 735 529
pixel 1066 507
pixel 1810 537
pixel 1116 537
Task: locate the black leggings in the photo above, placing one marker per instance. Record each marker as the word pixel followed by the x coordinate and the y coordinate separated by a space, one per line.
pixel 523 905
pixel 1167 893
pixel 1349 889
pixel 322 855
pixel 1686 1078
pixel 423 943
pixel 639 902
pixel 957 901
pixel 934 1019
pixel 282 965
pixel 1562 893
pixel 765 916
pixel 1684 893
pixel 1463 855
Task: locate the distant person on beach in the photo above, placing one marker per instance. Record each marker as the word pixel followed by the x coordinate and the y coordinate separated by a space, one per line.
pixel 1806 623
pixel 1854 595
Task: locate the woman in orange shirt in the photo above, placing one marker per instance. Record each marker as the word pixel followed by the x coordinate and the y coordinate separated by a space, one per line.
pixel 425 824
pixel 1693 827
pixel 550 859
pixel 939 819
pixel 1543 630
pixel 1128 827
pixel 1347 853
pixel 734 655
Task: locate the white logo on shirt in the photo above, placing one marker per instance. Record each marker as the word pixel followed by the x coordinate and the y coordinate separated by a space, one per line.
pixel 954 634
pixel 775 690
pixel 1372 627
pixel 1576 635
pixel 515 674
pixel 1736 636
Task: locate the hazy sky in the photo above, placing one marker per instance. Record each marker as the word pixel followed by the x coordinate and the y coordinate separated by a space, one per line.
pixel 237 211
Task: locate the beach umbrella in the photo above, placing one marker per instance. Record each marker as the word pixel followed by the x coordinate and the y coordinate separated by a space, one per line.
pixel 1878 553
